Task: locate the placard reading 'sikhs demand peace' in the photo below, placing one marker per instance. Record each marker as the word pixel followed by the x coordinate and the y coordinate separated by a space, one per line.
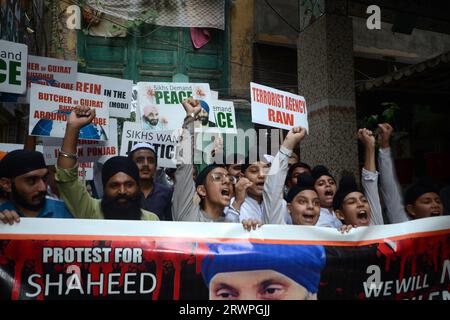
pixel 13 74
pixel 160 105
pixel 216 116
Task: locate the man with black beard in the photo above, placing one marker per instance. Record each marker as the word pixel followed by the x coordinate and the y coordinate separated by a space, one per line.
pixel 122 197
pixel 23 175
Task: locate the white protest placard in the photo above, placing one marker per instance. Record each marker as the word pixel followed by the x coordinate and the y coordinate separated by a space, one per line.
pixel 160 103
pixel 214 95
pixel 50 72
pixel 216 116
pixel 118 91
pixel 50 108
pixel 134 99
pixel 13 67
pixel 163 141
pixel 8 147
pixel 87 150
pixel 276 108
pixel 86 171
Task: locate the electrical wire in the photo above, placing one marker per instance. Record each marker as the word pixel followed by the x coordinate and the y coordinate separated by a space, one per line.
pixel 281 17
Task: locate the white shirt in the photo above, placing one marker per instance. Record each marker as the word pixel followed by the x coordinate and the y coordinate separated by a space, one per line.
pixel 250 209
pixel 369 182
pixel 328 219
pixel 390 188
pixel 276 206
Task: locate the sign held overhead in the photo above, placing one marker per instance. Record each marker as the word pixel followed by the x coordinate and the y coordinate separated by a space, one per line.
pixel 276 108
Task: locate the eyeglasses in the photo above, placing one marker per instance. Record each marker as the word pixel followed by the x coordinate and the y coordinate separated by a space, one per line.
pixel 220 177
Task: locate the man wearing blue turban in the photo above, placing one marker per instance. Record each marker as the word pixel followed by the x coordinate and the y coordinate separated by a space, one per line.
pixel 253 271
pixel 203 116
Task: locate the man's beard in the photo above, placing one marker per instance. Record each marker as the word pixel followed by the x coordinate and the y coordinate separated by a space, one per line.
pixel 153 122
pixel 204 120
pixel 130 210
pixel 21 201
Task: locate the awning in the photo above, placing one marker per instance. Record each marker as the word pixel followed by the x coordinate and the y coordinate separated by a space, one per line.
pixel 430 76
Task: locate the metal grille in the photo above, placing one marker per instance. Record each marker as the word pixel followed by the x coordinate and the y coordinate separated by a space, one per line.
pixel 174 13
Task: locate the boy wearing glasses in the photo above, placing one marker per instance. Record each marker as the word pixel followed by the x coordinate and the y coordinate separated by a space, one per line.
pixel 213 184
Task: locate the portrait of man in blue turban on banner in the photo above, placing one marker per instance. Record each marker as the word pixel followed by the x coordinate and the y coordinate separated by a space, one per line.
pixel 255 271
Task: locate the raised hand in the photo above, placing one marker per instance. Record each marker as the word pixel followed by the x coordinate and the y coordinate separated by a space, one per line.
pixel 240 189
pixel 385 132
pixel 294 136
pixel 191 106
pixel 367 138
pixel 80 116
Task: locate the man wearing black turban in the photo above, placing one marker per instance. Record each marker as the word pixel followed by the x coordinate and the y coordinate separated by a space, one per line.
pixel 302 202
pixel 23 175
pixel 122 198
pixel 358 207
pixel 325 185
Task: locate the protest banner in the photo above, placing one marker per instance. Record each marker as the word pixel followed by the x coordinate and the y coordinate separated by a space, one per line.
pixel 276 108
pixel 216 116
pixel 118 91
pixel 163 141
pixel 99 259
pixel 13 67
pixel 49 72
pixel 160 103
pixel 50 107
pixel 87 150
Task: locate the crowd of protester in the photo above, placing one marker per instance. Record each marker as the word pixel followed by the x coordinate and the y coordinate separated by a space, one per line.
pixel 267 190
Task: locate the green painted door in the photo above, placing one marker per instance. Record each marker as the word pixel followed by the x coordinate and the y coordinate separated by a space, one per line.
pixel 156 53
